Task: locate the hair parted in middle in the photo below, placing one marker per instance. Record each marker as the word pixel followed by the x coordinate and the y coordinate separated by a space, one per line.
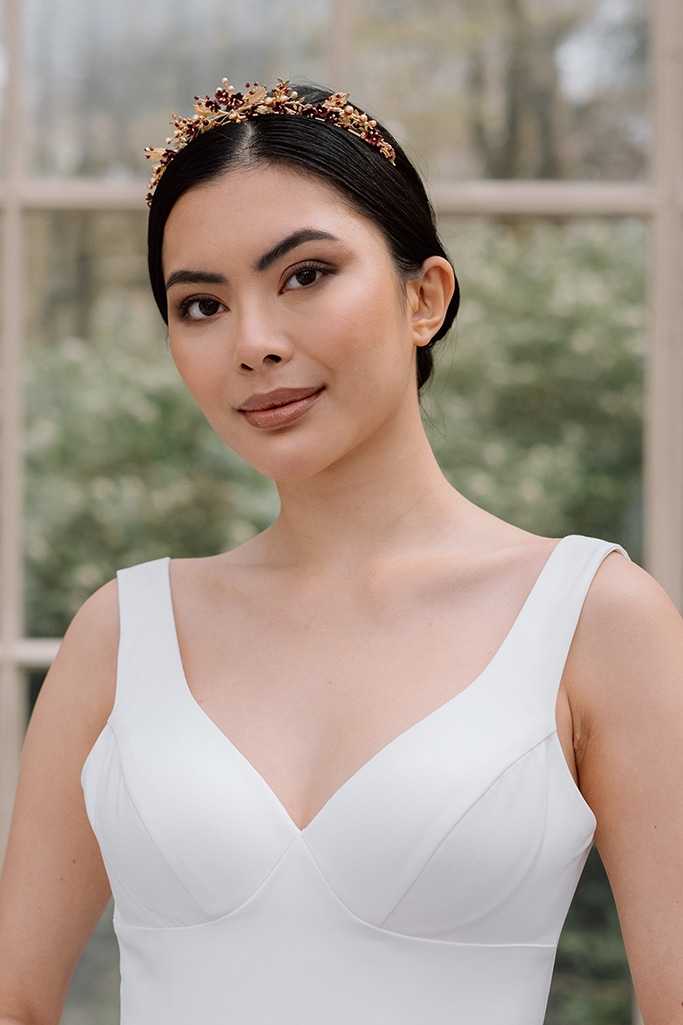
pixel 390 194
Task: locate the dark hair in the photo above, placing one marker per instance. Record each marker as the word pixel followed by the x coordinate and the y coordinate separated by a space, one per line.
pixel 392 196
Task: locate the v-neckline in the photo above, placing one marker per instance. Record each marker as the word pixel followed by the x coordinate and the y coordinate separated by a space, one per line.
pixel 367 765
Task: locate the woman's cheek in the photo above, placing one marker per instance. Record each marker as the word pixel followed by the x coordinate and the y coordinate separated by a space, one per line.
pixel 196 364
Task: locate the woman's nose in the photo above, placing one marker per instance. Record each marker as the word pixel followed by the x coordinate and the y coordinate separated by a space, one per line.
pixel 260 342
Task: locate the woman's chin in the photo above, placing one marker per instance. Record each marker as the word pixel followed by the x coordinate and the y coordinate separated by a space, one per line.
pixel 286 475
pixel 293 470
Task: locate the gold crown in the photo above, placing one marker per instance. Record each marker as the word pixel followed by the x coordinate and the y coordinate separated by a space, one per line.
pixel 230 106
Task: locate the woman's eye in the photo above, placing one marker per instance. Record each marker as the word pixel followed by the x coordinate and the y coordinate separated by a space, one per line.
pixel 303 277
pixel 201 309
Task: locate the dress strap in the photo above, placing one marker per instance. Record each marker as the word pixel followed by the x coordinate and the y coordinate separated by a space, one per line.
pixel 147 641
pixel 540 641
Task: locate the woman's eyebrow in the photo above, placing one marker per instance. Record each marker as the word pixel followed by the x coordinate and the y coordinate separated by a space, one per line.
pixel 194 277
pixel 291 242
pixel 201 277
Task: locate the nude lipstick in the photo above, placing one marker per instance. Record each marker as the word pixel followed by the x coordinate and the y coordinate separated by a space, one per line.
pixel 278 408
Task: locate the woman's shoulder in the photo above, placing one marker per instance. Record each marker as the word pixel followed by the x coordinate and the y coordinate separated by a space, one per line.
pixel 626 615
pixel 624 606
pixel 82 679
pixel 628 646
pixel 97 621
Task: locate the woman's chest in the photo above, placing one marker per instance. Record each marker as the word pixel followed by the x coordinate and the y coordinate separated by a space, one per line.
pixel 309 692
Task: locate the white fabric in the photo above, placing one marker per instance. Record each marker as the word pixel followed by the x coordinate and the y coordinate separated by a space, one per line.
pixel 430 889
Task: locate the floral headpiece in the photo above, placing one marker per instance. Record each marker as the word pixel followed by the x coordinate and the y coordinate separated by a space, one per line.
pixel 228 105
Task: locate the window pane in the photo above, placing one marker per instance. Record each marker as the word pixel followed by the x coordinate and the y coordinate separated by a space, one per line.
pixel 121 466
pixel 104 79
pixel 94 992
pixel 510 89
pixel 536 413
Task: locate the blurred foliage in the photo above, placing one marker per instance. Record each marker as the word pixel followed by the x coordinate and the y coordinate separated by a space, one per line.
pixel 94 991
pixel 536 410
pixel 122 468
pixel 121 465
pixel 591 981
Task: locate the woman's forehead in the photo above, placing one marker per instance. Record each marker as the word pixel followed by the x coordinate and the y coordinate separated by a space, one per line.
pixel 257 208
pixel 280 185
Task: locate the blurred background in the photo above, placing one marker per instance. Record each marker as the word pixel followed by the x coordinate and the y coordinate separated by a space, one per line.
pixel 549 132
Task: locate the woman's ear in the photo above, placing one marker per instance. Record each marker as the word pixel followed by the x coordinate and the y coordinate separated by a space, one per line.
pixel 428 298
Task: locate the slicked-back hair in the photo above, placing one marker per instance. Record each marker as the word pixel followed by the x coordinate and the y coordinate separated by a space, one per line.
pixel 392 196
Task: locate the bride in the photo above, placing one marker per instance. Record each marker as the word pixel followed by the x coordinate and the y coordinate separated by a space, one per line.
pixel 350 771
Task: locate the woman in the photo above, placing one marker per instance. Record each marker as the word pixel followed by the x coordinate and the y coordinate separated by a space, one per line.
pixel 350 771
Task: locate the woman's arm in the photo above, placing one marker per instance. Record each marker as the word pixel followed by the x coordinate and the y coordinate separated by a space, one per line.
pixel 625 682
pixel 53 887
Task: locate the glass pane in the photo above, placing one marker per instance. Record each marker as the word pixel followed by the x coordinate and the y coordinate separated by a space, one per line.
pixel 121 466
pixel 94 991
pixel 104 79
pixel 506 89
pixel 536 413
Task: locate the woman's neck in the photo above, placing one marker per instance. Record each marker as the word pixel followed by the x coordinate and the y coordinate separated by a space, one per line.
pixel 375 503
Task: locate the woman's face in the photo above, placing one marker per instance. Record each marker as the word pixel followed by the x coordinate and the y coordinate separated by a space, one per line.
pixel 287 320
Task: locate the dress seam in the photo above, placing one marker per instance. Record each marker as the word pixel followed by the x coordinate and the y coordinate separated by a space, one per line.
pixel 464 815
pixel 146 830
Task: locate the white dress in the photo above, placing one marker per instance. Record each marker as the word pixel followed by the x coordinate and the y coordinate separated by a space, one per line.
pixel 430 889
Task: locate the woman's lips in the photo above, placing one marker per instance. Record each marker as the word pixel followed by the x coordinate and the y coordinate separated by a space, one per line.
pixel 278 408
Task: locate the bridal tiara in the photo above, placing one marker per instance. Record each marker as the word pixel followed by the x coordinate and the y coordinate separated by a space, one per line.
pixel 228 106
